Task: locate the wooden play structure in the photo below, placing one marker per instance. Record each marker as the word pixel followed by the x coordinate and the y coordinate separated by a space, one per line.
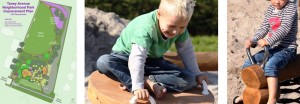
pixel 103 90
pixel 256 91
pixel 207 61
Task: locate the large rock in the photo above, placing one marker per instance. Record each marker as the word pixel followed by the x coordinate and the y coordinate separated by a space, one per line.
pixel 244 17
pixel 101 32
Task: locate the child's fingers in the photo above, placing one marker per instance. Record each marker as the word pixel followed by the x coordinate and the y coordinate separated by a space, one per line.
pixel 206 80
pixel 143 95
pixel 262 42
pixel 248 43
pixel 202 77
pixel 164 90
pixel 138 94
pixel 147 95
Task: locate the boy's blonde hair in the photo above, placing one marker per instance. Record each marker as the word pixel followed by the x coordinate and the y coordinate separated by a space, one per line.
pixel 181 8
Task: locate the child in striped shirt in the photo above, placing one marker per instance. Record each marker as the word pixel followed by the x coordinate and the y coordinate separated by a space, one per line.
pixel 280 26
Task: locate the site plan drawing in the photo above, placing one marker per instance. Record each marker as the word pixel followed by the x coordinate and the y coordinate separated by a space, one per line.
pixel 35 68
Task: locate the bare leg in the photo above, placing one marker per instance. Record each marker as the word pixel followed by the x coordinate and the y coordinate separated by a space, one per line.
pixel 156 89
pixel 272 85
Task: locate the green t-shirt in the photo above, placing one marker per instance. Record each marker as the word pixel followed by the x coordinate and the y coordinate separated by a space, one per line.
pixel 144 31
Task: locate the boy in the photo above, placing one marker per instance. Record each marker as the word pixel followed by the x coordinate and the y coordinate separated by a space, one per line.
pixel 280 24
pixel 137 57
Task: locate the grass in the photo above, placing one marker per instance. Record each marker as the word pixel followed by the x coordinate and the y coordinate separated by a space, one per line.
pixel 202 44
pixel 41 32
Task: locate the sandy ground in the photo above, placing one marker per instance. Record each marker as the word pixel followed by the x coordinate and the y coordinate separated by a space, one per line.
pixel 244 18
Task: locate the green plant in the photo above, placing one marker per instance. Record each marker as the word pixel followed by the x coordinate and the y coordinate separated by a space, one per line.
pixel 202 43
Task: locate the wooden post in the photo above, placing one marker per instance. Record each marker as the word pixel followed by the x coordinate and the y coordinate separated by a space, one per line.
pixel 207 61
pixel 253 76
pixel 255 96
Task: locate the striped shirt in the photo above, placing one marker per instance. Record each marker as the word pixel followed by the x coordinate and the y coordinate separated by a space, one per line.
pixel 280 25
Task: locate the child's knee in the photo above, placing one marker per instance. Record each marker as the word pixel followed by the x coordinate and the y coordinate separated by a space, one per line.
pixel 246 64
pixel 102 63
pixel 188 83
pixel 271 70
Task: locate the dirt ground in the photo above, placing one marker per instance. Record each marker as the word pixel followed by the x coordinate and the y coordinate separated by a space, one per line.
pixel 244 18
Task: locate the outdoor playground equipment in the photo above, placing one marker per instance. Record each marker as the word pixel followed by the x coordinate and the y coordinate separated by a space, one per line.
pixel 134 99
pixel 207 61
pixel 103 90
pixel 256 91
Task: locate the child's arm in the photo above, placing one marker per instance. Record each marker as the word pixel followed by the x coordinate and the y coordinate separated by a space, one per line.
pixel 264 28
pixel 186 52
pixel 287 19
pixel 136 63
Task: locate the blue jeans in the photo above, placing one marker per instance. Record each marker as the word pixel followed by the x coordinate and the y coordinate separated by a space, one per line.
pixel 278 59
pixel 173 78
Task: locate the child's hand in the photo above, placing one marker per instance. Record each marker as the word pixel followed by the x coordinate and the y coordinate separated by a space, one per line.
pixel 248 43
pixel 262 42
pixel 201 77
pixel 142 94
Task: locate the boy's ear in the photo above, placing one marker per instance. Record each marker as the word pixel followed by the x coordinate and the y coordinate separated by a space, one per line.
pixel 158 13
